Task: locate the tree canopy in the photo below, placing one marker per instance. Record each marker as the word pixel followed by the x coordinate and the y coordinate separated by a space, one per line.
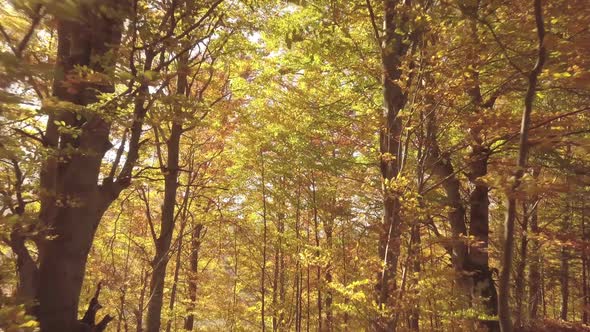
pixel 310 165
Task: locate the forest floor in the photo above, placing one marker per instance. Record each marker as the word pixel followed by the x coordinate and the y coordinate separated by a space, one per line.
pixel 555 326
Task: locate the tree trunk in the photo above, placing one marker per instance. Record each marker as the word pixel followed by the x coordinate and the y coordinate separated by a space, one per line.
pixel 26 268
pixel 72 225
pixel 393 49
pixel 275 291
pixel 414 252
pixel 192 283
pixel 235 286
pixel 345 275
pixel 482 283
pixel 298 271
pixel 123 299
pixel 328 230
pixel 479 275
pixel 264 244
pixel 176 272
pixel 168 219
pixel 282 274
pixel 508 241
pixel 442 167
pixel 535 291
pixel 564 273
pixel 278 296
pixel 520 268
pixel 308 286
pixel 141 304
pixel 585 291
pixel 316 231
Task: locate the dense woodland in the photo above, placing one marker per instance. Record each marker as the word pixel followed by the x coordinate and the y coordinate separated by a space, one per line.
pixel 310 165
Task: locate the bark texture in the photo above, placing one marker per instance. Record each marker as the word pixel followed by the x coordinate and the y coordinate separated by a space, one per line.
pixel 392 51
pixel 72 200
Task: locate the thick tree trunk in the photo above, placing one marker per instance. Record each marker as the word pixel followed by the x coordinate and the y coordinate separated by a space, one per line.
pixel 462 256
pixel 73 202
pixel 393 49
pixel 442 166
pixel 478 267
pixel 471 262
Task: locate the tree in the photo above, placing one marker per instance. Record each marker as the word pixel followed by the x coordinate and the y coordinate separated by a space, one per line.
pixel 293 165
pixel 504 288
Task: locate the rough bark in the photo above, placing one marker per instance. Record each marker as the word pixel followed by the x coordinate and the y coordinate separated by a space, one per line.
pixel 471 265
pixel 470 260
pixel 482 282
pixel 441 165
pixel 393 49
pixel 476 266
pixel 72 201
